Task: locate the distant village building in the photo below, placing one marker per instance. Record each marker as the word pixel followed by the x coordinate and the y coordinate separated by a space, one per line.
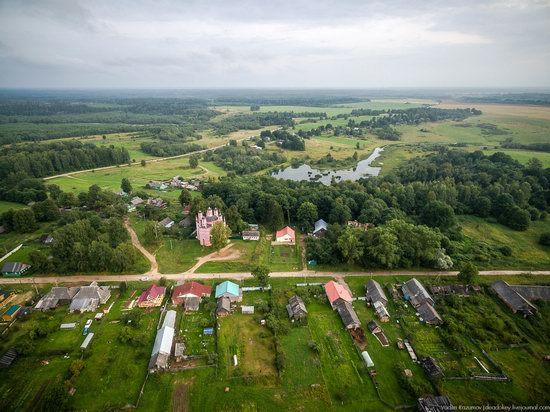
pixel 429 314
pixel 251 235
pixel 247 310
pixel 358 225
pixel 296 308
pixel 156 185
pixel 286 235
pixel 229 290
pixel 151 297
pixel 381 311
pixel 8 357
pixel 14 268
pixel 375 293
pixel 458 290
pixel 204 223
pixel 431 367
pixel 167 223
pixel 337 293
pixel 321 227
pixel 46 239
pixel 88 298
pixel 185 222
pixel 162 347
pixel 158 202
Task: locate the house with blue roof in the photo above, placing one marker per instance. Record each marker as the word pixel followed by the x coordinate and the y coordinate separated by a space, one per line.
pixel 229 290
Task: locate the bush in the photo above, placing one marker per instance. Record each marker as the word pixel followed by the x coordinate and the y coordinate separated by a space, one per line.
pixel 506 250
pixel 545 239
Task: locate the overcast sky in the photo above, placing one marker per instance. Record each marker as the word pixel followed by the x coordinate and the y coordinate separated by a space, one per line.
pixel 271 43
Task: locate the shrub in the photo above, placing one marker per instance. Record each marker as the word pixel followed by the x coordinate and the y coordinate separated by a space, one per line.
pixel 545 239
pixel 506 250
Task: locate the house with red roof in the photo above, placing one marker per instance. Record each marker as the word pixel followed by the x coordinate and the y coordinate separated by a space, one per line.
pixel 286 235
pixel 189 290
pixel 337 293
pixel 152 297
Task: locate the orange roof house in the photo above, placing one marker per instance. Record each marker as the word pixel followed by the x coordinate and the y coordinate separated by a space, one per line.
pixel 285 235
pixel 336 292
pixel 189 290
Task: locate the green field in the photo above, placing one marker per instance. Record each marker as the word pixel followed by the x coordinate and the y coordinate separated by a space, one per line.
pixel 112 369
pixel 527 252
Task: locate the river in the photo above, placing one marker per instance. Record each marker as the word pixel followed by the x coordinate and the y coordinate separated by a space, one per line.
pixel 307 173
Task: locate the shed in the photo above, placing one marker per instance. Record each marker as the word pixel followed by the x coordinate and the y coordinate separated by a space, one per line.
pixel 14 268
pixel 208 331
pixel 251 234
pixel 191 304
pixel 8 357
pixel 67 326
pixel 11 313
pixel 296 308
pixel 223 307
pixel 46 239
pixel 435 404
pixel 366 357
pixel 87 341
pixel 512 299
pixel 247 310
pixel 429 314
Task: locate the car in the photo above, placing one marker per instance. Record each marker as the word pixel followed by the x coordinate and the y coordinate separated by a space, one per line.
pixel 145 278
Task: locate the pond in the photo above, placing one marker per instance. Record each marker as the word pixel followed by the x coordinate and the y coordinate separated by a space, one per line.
pixel 306 172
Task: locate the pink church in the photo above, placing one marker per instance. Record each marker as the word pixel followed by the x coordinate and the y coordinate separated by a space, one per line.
pixel 205 223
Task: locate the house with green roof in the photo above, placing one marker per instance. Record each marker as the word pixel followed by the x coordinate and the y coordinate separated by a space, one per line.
pixel 229 290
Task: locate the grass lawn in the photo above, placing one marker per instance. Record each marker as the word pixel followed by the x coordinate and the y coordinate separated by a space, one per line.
pixel 113 371
pixel 5 206
pixel 176 255
pixel 191 326
pixel 527 252
pixel 242 335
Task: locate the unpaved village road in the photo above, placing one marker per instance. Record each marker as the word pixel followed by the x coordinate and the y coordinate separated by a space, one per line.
pixel 303 275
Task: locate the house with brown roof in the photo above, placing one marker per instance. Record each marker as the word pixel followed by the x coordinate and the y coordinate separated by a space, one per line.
pixel 151 297
pixel 189 290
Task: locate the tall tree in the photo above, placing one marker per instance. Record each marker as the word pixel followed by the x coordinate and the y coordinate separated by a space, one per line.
pixel 184 197
pixel 125 185
pixel 274 217
pixel 194 161
pixel 219 235
pixel 349 245
pixel 261 274
pixel 468 273
pixel 307 215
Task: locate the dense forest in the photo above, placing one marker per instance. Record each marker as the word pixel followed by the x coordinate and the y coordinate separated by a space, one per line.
pixel 243 159
pixel 163 149
pixel 414 211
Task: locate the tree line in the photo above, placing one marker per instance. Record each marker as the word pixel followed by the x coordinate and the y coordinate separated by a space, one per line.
pixel 243 160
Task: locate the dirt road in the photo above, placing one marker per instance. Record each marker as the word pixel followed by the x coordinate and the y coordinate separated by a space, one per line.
pixel 246 275
pixel 135 241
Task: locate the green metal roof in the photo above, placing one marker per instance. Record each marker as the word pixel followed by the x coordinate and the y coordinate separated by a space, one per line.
pixel 227 287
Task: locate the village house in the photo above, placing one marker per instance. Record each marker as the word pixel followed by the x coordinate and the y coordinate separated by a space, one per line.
pixel 229 290
pixel 429 314
pixel 415 292
pixel 204 223
pixel 286 235
pixel 320 228
pixel 223 307
pixel 158 202
pixel 296 308
pixel 167 223
pixel 88 298
pixel 46 239
pixel 189 290
pixel 337 293
pixel 162 347
pixel 14 268
pixel 251 234
pixel 136 201
pixel 348 315
pixel 152 297
pixel 156 185
pixel 512 299
pixel 55 297
pixel 458 290
pixel 375 293
pixel 381 311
